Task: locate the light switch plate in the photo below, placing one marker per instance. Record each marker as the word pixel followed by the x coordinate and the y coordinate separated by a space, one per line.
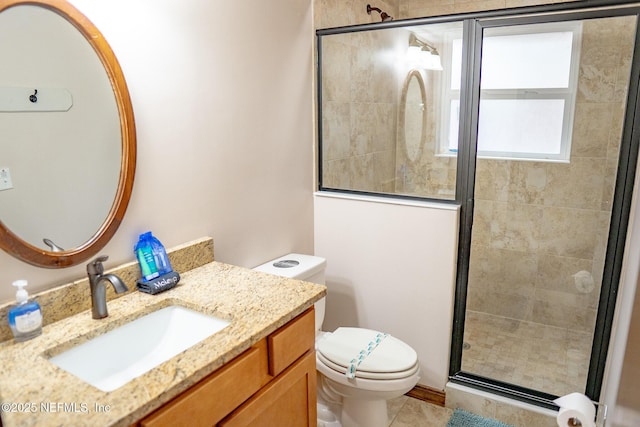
pixel 5 179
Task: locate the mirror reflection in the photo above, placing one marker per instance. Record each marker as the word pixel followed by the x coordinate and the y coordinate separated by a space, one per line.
pixel 64 165
pixel 67 164
pixel 413 116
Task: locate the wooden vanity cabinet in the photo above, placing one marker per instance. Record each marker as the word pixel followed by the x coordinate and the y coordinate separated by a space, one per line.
pixel 271 384
pixel 289 400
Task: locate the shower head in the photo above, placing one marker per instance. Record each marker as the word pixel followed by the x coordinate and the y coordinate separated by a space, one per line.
pixel 383 15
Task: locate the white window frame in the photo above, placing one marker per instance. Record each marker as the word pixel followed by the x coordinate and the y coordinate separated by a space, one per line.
pixel 568 95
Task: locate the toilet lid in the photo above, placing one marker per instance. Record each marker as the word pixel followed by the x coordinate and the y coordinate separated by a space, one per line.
pixel 389 354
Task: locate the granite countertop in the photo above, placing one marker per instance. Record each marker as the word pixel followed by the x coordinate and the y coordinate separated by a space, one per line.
pixel 35 392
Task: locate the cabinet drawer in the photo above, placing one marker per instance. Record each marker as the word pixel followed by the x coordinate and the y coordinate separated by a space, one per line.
pixel 214 397
pixel 288 401
pixel 291 341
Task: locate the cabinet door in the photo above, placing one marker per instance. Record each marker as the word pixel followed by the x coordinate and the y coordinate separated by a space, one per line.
pixel 289 400
pixel 214 397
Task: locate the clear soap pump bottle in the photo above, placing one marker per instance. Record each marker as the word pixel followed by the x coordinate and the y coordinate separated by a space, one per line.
pixel 25 318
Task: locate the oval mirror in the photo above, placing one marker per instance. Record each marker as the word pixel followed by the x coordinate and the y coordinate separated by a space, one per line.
pixel 67 161
pixel 413 116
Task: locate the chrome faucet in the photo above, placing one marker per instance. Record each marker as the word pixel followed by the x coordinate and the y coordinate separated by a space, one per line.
pixel 98 290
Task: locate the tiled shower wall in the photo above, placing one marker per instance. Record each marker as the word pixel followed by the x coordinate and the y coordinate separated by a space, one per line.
pixel 361 94
pixel 360 101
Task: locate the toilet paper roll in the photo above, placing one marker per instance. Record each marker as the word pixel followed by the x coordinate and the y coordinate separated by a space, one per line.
pixel 575 409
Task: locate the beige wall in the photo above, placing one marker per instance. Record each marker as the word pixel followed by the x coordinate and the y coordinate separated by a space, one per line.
pixel 223 100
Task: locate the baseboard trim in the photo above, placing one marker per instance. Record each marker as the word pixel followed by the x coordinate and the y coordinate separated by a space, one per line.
pixel 427 394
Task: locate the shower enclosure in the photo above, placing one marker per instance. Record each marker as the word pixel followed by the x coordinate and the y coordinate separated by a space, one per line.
pixel 527 121
pixel 541 216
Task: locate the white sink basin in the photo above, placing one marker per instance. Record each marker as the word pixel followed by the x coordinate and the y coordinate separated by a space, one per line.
pixel 113 359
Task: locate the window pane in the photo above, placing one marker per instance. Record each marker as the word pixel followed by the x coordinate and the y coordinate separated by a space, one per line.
pixel 456 64
pixel 521 125
pixel 525 61
pixel 528 77
pixel 454 123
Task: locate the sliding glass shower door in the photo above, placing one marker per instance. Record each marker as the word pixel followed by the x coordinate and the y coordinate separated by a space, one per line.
pixel 551 113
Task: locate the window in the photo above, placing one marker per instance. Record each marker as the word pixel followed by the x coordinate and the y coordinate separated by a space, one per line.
pixel 528 85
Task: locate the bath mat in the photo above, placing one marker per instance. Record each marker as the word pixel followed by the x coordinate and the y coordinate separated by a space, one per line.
pixel 462 418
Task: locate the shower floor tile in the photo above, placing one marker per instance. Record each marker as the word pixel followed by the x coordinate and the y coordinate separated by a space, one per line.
pixel 541 357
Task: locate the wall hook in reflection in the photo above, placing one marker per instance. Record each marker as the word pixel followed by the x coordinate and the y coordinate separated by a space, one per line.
pixel 28 99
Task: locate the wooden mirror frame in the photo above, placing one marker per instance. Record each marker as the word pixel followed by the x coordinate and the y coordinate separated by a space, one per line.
pixel 33 255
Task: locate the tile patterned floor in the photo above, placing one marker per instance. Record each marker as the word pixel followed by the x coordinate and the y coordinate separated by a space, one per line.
pixel 408 412
pixel 547 358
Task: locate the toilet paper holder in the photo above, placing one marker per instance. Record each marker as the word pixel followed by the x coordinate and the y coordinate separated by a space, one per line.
pixel 574 407
pixel 601 416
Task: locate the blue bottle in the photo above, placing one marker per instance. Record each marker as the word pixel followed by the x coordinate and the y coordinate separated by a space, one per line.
pixel 160 255
pixel 144 252
pixel 25 318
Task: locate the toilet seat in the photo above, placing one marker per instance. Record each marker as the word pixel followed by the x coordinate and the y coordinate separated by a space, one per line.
pixel 389 359
pixel 368 375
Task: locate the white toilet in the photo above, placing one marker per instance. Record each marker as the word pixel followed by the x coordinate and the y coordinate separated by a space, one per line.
pixel 359 369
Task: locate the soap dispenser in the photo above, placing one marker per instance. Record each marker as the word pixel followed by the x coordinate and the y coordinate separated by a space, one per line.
pixel 25 318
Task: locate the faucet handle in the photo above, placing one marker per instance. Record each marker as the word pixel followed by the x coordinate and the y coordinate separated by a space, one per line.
pixel 95 266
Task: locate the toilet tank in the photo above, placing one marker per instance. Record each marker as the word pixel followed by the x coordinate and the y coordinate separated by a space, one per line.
pixel 297 266
pixel 309 268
